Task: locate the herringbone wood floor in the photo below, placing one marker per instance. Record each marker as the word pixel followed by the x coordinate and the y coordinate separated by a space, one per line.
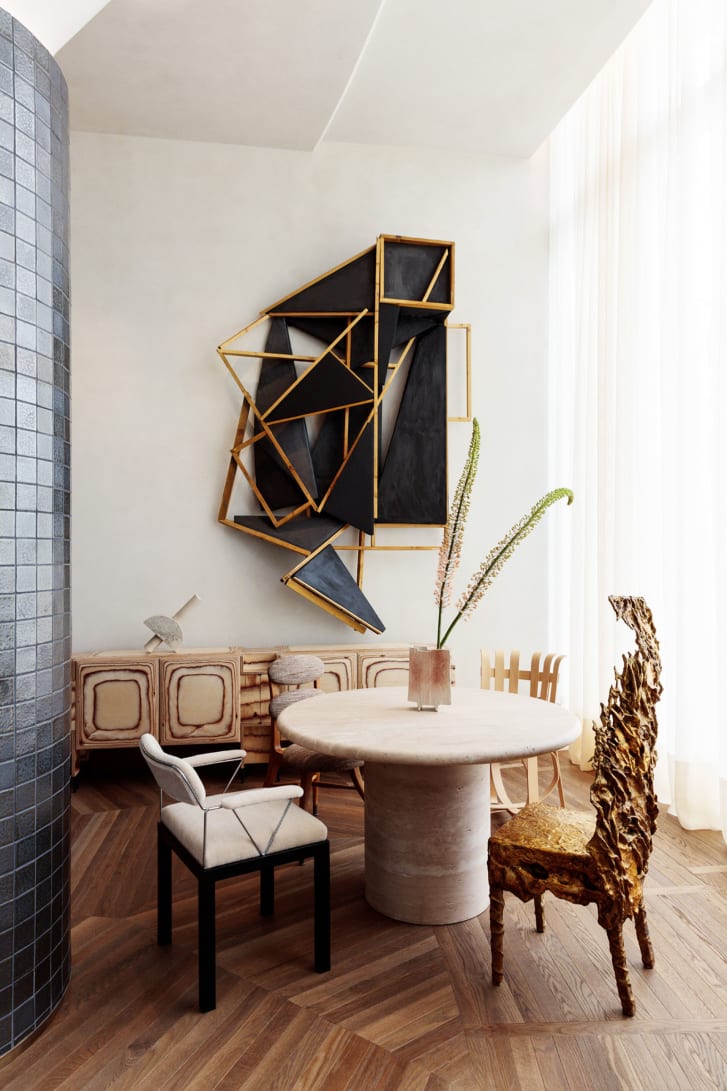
pixel 404 1007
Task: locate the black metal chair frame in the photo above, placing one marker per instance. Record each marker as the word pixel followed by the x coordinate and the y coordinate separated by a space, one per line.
pixel 206 880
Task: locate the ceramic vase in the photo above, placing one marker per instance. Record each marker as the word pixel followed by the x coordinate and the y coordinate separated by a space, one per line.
pixel 430 677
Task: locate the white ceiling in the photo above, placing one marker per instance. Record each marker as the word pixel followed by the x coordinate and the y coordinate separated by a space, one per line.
pixel 490 75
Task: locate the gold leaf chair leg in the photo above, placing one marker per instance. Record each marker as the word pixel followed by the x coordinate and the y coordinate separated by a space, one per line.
pixel 539 914
pixel 618 957
pixel 642 934
pixel 497 908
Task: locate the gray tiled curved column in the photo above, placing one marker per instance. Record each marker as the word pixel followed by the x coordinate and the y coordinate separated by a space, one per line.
pixel 34 535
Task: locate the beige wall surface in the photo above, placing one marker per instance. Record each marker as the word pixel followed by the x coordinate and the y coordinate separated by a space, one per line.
pixel 175 246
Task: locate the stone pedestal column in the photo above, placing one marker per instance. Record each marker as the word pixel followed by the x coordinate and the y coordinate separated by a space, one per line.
pixel 35 640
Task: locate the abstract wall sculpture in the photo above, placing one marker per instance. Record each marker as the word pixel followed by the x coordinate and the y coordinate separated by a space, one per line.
pixel 347 432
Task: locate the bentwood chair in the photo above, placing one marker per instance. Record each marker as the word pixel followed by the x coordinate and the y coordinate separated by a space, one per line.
pixel 233 833
pixel 542 681
pixel 599 857
pixel 296 674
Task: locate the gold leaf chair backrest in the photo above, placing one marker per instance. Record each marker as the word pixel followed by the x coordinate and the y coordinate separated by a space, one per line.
pixel 623 786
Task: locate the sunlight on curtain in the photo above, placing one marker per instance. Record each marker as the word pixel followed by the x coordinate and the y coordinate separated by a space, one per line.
pixel 638 357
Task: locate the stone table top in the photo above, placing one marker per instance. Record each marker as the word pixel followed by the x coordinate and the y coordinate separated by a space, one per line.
pixel 381 725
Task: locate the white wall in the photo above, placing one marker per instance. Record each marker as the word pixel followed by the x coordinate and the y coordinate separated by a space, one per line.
pixel 175 246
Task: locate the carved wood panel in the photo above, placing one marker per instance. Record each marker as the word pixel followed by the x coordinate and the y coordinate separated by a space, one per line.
pixel 200 699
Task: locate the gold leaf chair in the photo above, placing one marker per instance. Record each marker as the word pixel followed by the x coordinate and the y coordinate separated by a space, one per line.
pixel 601 857
pixel 294 673
pixel 542 678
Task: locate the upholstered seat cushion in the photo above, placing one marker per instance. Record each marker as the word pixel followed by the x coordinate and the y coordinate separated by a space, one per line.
pixel 297 757
pixel 228 842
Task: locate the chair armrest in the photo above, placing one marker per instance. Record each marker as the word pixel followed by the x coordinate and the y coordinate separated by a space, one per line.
pixel 233 800
pixel 216 756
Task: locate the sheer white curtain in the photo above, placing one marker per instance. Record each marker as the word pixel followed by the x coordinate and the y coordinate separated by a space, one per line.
pixel 638 357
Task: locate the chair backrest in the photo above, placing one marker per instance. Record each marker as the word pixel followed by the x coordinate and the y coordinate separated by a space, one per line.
pixel 623 785
pixel 542 677
pixel 175 776
pixel 292 671
pixel 295 670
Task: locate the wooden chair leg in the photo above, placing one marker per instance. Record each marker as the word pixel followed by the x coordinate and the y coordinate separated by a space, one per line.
pixel 499 797
pixel 164 893
pixel 306 783
pixel 642 934
pixel 620 968
pixel 539 913
pixel 271 775
pixel 497 908
pixel 322 908
pixel 358 781
pixel 558 778
pixel 531 773
pixel 206 944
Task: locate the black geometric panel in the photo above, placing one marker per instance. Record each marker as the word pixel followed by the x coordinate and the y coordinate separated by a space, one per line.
pixel 352 497
pixel 412 324
pixel 324 328
pixel 271 473
pixel 304 532
pixel 413 484
pixel 409 268
pixel 388 318
pixel 328 385
pixel 349 288
pixel 326 575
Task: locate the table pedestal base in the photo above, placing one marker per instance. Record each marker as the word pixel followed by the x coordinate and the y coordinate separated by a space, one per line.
pixel 426 841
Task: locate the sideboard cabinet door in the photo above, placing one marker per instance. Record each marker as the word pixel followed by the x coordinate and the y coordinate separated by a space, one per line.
pixel 116 701
pixel 376 668
pixel 200 699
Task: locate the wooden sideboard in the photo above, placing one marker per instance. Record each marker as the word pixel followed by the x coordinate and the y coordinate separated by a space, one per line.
pixel 205 695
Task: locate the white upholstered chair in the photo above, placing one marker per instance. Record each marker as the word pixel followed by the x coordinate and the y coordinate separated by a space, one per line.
pixel 541 678
pixel 293 675
pixel 219 836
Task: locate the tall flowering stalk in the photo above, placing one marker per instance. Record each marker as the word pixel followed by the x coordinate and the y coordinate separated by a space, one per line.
pixel 449 554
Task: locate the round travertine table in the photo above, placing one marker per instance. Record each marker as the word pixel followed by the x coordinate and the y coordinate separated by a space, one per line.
pixel 427 785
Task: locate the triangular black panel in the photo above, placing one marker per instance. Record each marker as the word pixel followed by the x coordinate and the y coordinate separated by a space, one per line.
pixel 409 268
pixel 326 575
pixel 328 385
pixel 412 325
pixel 413 483
pixel 352 498
pixel 324 329
pixel 388 317
pixel 362 348
pixel 272 476
pixel 306 532
pixel 350 288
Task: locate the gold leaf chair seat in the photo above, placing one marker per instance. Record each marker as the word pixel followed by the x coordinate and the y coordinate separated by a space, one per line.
pixel 599 857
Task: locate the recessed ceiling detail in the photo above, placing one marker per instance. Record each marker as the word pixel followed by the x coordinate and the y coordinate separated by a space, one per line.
pixel 311 451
